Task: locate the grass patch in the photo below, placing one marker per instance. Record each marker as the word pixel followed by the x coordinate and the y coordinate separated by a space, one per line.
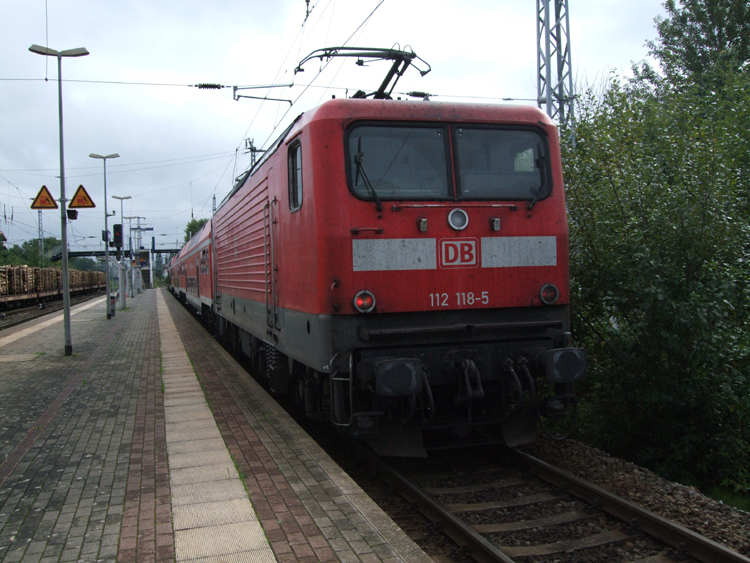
pixel 730 498
pixel 239 469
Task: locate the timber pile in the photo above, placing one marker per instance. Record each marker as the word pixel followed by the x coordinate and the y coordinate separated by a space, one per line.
pixel 4 279
pixel 28 280
pixel 38 281
pixel 76 278
pixel 49 279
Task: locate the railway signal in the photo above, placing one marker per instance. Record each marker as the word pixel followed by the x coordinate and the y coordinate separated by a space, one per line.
pixel 117 235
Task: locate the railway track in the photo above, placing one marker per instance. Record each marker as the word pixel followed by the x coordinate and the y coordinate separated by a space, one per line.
pixel 15 317
pixel 519 508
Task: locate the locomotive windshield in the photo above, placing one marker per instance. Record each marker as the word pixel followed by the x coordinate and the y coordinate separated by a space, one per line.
pixel 396 162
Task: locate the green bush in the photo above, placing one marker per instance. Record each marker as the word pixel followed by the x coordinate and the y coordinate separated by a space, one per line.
pixel 658 196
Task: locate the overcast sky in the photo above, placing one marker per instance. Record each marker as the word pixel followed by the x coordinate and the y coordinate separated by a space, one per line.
pixel 179 146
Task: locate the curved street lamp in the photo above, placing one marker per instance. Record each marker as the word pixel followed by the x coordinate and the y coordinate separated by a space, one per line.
pixel 78 52
pixel 106 227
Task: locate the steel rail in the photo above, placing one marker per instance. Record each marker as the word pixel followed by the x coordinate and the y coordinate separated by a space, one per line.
pixel 679 537
pixel 35 313
pixel 481 549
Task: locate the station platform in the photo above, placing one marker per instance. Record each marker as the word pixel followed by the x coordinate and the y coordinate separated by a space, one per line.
pixel 150 443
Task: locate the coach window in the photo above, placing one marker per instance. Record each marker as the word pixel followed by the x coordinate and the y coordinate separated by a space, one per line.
pixel 295 176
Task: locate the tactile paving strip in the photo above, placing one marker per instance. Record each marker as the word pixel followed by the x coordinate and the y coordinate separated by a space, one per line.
pixel 213 517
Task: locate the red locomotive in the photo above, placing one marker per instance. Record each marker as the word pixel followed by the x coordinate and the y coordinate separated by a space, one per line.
pixel 401 269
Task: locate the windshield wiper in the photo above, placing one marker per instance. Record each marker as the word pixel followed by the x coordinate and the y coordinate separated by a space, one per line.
pixel 538 195
pixel 358 158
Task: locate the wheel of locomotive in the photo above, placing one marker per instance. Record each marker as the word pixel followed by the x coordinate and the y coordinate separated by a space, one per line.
pixel 298 392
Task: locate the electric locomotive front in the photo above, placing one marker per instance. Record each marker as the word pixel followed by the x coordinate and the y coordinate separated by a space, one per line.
pixel 445 249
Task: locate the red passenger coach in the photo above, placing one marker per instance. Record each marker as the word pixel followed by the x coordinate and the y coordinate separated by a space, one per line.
pixel 401 269
pixel 192 272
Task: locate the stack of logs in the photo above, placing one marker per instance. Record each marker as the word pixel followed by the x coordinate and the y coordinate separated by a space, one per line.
pixel 27 280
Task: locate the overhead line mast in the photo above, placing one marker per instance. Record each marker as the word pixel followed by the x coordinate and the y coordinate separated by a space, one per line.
pixel 555 76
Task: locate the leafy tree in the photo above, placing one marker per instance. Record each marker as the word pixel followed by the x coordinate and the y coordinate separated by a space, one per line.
pixel 82 263
pixel 701 40
pixel 158 267
pixel 28 253
pixel 193 226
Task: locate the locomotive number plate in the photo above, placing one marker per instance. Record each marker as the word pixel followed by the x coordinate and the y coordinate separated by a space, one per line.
pixel 461 299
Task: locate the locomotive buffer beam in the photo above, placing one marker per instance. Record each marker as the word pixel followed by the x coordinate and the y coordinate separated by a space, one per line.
pixel 457 329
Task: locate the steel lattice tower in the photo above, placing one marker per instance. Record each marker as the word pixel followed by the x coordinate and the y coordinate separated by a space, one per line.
pixel 555 78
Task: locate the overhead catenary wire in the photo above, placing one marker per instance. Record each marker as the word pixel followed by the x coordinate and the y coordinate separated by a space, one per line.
pixel 276 76
pixel 360 26
pixel 318 14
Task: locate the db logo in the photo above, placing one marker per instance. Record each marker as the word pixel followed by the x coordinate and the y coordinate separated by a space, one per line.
pixel 458 253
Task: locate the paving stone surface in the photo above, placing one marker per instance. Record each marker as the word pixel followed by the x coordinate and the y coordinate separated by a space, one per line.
pixel 67 428
pixel 98 463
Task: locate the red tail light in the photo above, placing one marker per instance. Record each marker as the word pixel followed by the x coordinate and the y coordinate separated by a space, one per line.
pixel 364 301
pixel 549 294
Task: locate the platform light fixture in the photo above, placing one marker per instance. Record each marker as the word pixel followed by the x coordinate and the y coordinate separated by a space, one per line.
pixel 106 226
pixel 122 252
pixel 78 52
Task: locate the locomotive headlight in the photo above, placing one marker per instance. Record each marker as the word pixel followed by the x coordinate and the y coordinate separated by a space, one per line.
pixel 549 294
pixel 458 219
pixel 364 301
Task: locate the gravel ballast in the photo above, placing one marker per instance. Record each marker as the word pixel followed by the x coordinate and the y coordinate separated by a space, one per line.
pixel 684 505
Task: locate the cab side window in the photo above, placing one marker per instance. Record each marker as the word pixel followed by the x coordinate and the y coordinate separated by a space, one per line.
pixel 295 176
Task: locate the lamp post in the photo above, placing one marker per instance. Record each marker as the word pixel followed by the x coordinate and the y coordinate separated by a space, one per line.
pixel 122 252
pixel 130 248
pixel 106 226
pixel 139 229
pixel 79 52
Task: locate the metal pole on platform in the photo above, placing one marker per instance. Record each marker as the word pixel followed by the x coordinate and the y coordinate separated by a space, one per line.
pixel 122 254
pixel 132 266
pixel 78 52
pixel 106 227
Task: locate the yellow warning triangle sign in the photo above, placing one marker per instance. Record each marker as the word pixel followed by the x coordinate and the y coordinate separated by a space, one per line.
pixel 81 199
pixel 44 200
